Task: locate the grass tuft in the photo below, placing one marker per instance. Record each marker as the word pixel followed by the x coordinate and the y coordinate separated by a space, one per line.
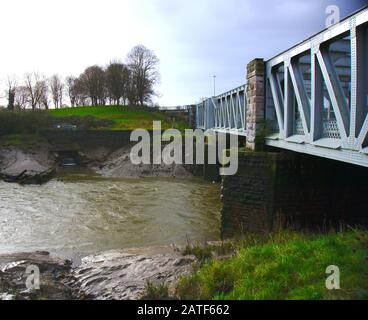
pixel 154 291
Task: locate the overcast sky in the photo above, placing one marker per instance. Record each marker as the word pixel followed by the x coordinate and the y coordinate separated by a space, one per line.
pixel 194 39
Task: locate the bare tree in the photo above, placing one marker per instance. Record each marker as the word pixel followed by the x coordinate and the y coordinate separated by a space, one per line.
pixel 143 64
pixel 21 97
pixel 42 90
pixel 126 78
pixel 117 82
pixel 61 94
pixel 71 89
pixel 11 91
pixel 56 87
pixel 81 92
pixel 120 83
pixel 35 84
pixel 92 80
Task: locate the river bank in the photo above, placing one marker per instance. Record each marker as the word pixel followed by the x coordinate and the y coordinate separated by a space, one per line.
pixel 239 269
pixel 115 274
pixel 37 163
pixel 27 164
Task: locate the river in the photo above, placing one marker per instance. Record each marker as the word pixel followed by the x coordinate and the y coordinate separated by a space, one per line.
pixel 80 213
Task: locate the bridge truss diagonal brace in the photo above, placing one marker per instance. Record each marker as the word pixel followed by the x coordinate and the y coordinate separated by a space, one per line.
pixel 233 111
pixel 277 102
pixel 215 111
pixel 243 109
pixel 228 113
pixel 317 97
pixel 288 102
pixel 237 114
pixel 336 94
pixel 301 97
pixel 363 133
pixel 359 83
pixel 221 115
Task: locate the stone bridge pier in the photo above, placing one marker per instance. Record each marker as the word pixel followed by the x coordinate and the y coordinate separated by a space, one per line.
pixel 277 190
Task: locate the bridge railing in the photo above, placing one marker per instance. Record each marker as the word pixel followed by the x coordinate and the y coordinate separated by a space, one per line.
pixel 317 93
pixel 225 112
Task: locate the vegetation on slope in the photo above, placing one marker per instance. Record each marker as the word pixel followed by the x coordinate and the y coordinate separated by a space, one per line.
pixel 124 118
pixel 22 122
pixel 18 124
pixel 284 266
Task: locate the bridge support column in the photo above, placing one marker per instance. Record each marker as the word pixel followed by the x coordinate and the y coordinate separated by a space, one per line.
pixel 256 104
pixel 211 172
pixel 192 114
pixel 274 191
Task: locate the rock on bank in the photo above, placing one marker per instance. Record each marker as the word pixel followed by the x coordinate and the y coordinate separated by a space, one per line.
pixel 117 274
pixel 118 164
pixel 27 165
pixel 123 274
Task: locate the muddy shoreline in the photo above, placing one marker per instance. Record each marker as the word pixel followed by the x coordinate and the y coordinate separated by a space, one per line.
pixel 37 164
pixel 111 275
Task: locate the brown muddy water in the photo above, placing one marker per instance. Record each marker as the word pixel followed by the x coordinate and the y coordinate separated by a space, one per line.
pixel 79 213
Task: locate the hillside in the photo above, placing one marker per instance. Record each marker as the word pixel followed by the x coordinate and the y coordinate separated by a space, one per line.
pixel 124 117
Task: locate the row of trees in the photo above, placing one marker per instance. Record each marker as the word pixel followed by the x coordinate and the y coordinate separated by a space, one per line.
pixel 119 83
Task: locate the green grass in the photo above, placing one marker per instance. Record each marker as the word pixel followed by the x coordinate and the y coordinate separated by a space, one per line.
pixel 286 266
pixel 124 117
pixel 209 251
pixel 21 140
pixel 154 291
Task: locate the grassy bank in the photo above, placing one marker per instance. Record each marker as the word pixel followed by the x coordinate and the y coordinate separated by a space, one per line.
pixel 90 118
pixel 283 266
pixel 123 117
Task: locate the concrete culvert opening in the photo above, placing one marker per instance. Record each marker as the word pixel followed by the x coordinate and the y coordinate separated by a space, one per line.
pixel 69 158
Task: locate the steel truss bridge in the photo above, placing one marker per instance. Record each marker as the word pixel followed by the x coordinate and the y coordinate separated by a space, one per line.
pixel 316 97
pixel 224 113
